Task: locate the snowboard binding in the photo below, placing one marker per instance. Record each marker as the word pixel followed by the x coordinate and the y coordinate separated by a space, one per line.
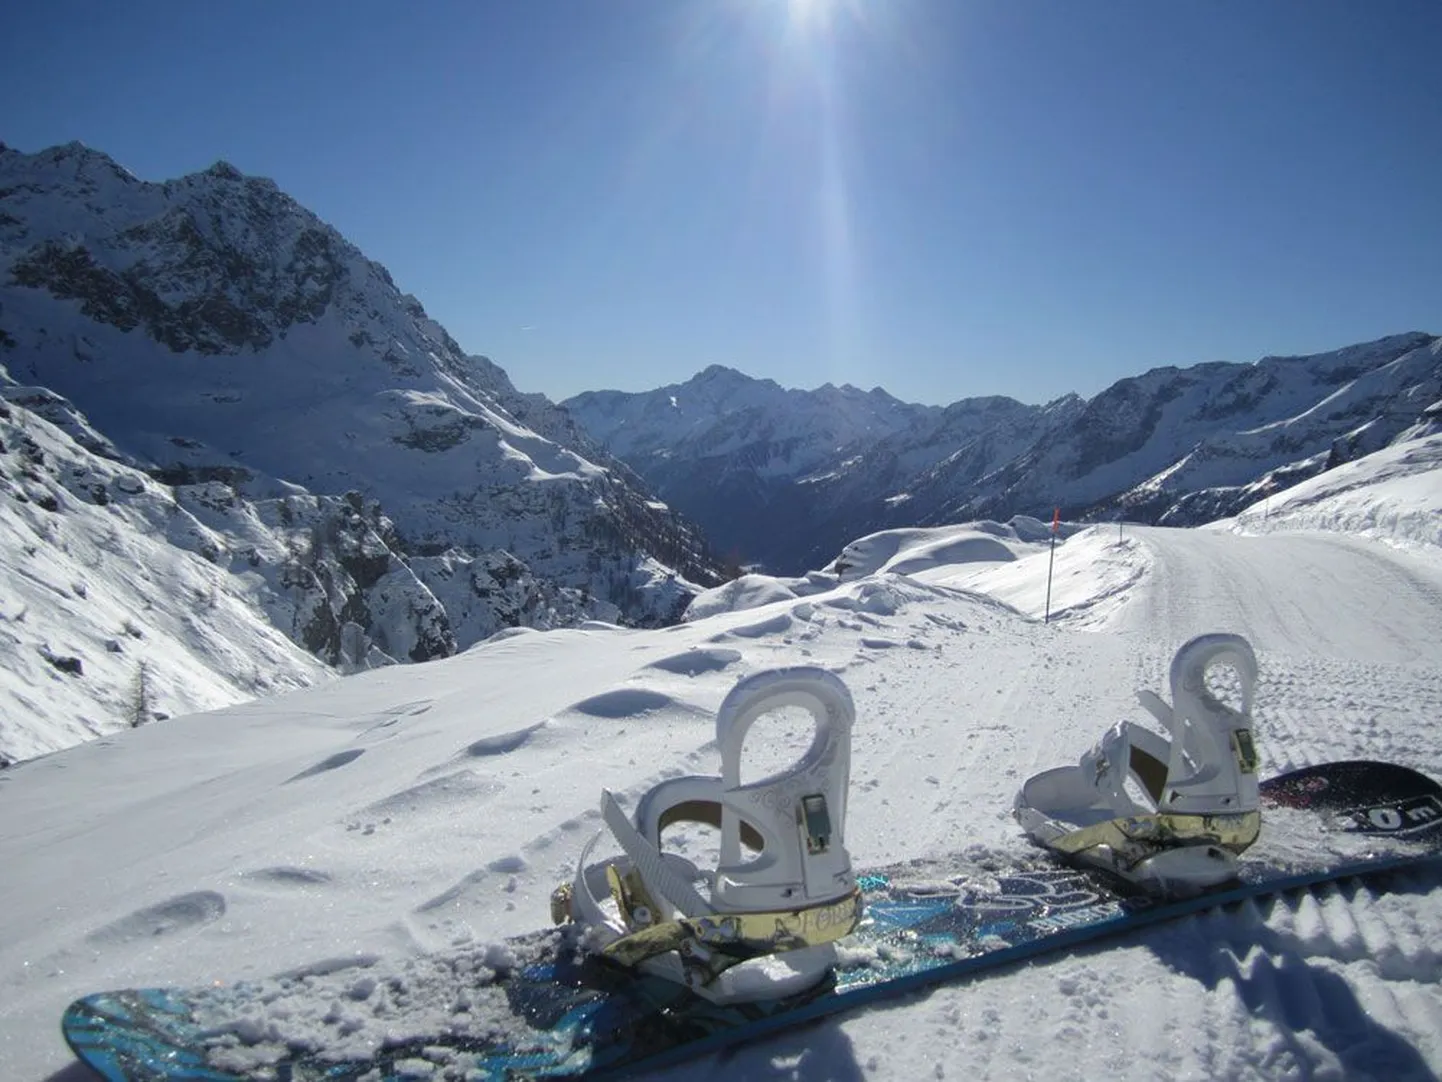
pixel 763 925
pixel 1200 810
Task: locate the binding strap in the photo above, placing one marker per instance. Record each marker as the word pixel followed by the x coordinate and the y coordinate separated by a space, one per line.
pixel 711 944
pixel 1134 838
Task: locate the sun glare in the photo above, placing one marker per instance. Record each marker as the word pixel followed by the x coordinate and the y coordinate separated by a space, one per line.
pixel 813 60
pixel 803 53
pixel 820 14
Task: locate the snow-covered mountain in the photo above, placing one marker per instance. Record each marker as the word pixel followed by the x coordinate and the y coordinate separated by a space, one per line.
pixel 209 349
pixel 1184 446
pixel 724 414
pixel 117 607
pixel 903 480
pixel 1178 446
pixel 730 451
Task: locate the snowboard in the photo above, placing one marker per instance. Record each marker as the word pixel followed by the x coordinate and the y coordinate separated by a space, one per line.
pixel 540 1007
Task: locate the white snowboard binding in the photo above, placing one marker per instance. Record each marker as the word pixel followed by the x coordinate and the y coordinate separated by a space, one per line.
pixel 764 923
pixel 1200 787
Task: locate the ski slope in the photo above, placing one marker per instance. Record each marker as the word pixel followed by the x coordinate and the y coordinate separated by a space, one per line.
pixel 421 808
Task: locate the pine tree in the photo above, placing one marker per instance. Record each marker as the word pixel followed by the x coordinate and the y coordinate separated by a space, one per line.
pixel 138 706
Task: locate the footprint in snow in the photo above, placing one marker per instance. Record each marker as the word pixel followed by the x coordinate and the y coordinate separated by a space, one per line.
pixel 285 875
pixel 773 626
pixel 696 662
pixel 339 759
pixel 164 918
pixel 504 742
pixel 623 703
pixel 481 883
pixel 458 787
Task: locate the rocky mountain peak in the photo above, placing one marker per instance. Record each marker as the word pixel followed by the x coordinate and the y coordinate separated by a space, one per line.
pixel 223 170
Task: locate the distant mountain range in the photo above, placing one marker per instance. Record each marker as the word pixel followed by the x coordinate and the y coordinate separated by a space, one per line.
pixel 785 478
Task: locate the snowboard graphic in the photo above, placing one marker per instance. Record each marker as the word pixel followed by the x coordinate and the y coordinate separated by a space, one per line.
pixel 554 1011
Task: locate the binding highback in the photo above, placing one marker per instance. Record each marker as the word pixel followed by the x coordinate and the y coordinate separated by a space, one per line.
pixel 783 838
pixel 799 815
pixel 1212 764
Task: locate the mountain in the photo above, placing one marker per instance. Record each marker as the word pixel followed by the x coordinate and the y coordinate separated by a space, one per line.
pixel 759 468
pixel 730 451
pixel 1181 446
pixel 723 413
pixel 117 608
pixel 906 479
pixel 373 490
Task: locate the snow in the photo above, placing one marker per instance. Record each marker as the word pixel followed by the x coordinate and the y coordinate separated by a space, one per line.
pixel 1394 494
pixel 116 581
pixel 720 411
pixel 410 817
pixel 1093 575
pixel 912 549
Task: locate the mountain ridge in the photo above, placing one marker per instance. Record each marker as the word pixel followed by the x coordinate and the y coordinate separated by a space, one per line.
pixel 1172 445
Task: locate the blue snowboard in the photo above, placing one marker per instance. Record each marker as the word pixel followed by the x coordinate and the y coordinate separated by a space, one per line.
pixel 553 1011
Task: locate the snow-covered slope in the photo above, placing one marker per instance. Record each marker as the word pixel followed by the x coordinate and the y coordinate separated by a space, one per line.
pixel 330 437
pixel 114 611
pixel 1394 494
pixel 432 808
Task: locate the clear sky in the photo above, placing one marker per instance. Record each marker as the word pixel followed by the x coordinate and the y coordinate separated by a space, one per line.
pixel 942 197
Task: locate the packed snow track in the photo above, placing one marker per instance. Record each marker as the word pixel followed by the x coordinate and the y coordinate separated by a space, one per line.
pixel 1323 594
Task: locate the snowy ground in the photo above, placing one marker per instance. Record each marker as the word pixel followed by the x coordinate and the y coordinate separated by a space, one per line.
pixel 1393 495
pixel 418 808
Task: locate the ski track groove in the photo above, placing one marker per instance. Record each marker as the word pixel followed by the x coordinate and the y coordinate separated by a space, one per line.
pixel 1269 990
pixel 1303 974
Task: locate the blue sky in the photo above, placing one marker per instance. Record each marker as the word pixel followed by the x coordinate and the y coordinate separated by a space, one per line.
pixel 942 197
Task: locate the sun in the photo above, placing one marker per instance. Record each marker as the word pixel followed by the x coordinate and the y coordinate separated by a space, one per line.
pixel 810 14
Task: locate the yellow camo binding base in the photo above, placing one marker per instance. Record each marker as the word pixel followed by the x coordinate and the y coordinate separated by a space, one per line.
pixel 729 938
pixel 1136 838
